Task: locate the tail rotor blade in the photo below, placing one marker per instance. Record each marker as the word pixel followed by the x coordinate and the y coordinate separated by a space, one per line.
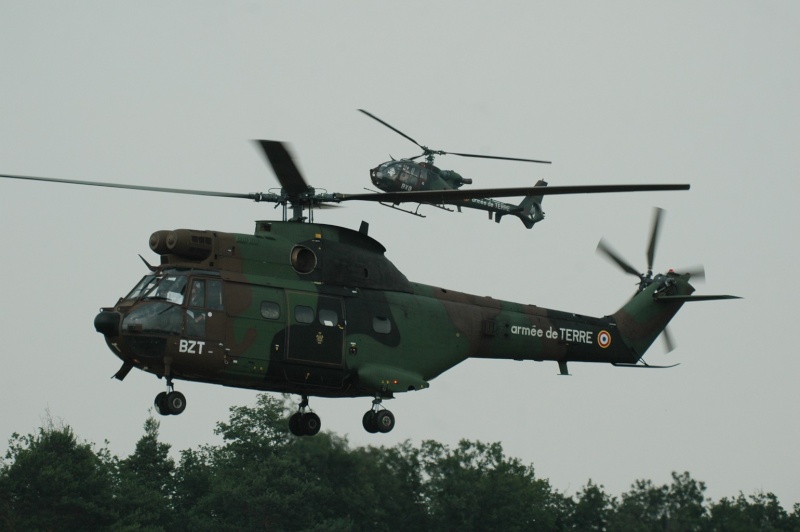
pixel 696 273
pixel 669 345
pixel 604 248
pixel 651 249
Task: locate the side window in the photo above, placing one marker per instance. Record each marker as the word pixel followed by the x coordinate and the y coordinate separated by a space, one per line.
pixel 214 296
pixel 303 314
pixel 206 293
pixel 381 325
pixel 198 297
pixel 328 318
pixel 271 310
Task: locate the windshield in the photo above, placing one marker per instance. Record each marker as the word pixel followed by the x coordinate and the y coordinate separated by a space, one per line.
pixel 159 318
pixel 169 287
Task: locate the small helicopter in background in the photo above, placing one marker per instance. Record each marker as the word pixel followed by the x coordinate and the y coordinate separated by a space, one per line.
pixel 407 175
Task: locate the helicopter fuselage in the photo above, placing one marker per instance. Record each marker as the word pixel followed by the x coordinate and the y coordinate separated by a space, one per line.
pixel 406 175
pixel 319 310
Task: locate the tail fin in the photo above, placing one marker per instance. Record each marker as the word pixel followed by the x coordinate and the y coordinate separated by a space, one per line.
pixel 530 209
pixel 646 315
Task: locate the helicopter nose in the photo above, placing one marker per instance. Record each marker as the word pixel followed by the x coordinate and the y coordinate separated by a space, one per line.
pixel 107 323
pixel 375 176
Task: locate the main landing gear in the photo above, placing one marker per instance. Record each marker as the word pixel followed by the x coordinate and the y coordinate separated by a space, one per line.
pixel 378 419
pixel 170 402
pixel 303 423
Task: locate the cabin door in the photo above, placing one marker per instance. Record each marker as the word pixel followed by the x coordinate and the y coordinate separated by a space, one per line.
pixel 316 329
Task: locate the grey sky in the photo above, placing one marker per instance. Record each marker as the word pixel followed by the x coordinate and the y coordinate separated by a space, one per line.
pixel 169 94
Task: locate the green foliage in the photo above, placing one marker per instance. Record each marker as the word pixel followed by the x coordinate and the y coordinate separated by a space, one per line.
pixel 255 432
pixel 760 511
pixel 592 510
pixel 263 478
pixel 679 506
pixel 144 483
pixel 51 481
pixel 476 487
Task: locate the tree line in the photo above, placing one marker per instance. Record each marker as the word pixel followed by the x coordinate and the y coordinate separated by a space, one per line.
pixel 263 478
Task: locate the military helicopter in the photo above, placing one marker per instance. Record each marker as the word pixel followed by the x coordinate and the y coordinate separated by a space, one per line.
pixel 408 175
pixel 318 310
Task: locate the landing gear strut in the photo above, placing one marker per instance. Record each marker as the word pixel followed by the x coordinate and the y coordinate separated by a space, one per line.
pixel 170 402
pixel 378 419
pixel 303 423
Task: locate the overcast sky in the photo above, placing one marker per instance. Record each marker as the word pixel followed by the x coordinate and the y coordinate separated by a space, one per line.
pixel 169 94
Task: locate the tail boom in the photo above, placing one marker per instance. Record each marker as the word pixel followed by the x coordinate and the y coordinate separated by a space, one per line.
pixel 529 211
pixel 525 332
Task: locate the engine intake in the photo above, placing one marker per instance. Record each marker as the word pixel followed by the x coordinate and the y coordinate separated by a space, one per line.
pixel 185 243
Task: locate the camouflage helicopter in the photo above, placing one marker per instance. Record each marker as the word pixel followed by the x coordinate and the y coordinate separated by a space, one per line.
pixel 408 175
pixel 318 310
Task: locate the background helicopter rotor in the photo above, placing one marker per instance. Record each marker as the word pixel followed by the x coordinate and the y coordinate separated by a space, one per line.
pixel 429 153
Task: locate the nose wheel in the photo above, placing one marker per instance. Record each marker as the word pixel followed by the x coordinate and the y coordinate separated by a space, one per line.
pixel 378 419
pixel 170 403
pixel 303 423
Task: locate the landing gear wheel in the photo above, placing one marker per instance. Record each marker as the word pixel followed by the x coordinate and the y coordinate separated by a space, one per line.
pixel 384 421
pixel 303 423
pixel 378 419
pixel 369 422
pixel 176 403
pixel 309 423
pixel 294 424
pixel 160 404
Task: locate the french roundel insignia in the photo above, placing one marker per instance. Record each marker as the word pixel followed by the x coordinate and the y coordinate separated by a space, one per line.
pixel 603 339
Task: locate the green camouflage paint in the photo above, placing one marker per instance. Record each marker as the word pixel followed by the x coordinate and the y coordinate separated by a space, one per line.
pixel 319 310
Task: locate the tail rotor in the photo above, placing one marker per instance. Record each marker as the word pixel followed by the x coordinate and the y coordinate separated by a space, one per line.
pixel 647 278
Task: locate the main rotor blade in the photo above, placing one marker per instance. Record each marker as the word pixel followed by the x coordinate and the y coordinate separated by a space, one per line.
pixel 439 152
pixel 495 157
pixel 393 129
pixel 282 164
pixel 651 248
pixel 669 345
pixel 458 195
pixel 604 248
pixel 252 196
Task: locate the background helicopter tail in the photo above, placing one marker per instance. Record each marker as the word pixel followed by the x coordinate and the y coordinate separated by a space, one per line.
pixel 530 209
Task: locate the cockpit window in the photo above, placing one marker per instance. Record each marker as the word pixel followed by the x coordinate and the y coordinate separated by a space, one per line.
pixel 387 169
pixel 206 293
pixel 154 318
pixel 214 296
pixel 170 288
pixel 411 169
pixel 198 297
pixel 143 286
